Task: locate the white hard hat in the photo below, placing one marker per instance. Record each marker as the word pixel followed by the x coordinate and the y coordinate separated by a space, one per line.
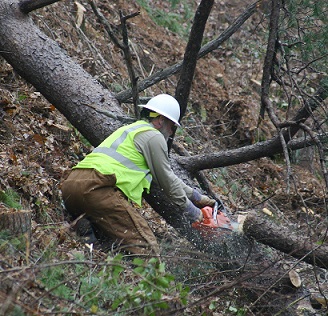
pixel 165 105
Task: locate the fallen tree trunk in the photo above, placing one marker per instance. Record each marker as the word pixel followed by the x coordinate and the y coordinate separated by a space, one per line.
pixel 284 239
pixel 63 82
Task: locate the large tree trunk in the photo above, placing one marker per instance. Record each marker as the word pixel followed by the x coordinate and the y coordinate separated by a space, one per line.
pixel 41 62
pixel 77 95
pixel 284 239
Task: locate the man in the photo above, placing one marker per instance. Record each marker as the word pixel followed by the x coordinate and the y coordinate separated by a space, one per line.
pixel 107 182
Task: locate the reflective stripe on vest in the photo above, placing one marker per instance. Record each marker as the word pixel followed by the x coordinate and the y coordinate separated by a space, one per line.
pixel 112 152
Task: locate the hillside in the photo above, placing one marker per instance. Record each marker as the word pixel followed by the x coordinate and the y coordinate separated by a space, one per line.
pixel 38 146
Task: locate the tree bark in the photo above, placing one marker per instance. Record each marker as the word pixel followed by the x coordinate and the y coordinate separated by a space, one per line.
pixel 284 239
pixel 16 222
pixel 27 6
pixel 190 57
pixel 64 83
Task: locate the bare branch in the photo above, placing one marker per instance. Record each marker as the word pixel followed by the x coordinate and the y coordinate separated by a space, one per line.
pixel 128 60
pixel 106 25
pixel 209 47
pixel 286 155
pixel 190 57
pixel 320 150
pixel 269 62
pixel 311 62
pixel 240 155
pixel 124 46
pixel 27 6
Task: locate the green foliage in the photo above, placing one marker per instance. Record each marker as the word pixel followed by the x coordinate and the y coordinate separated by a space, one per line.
pixel 304 30
pixel 237 311
pixel 21 97
pixel 54 278
pixel 175 22
pixel 83 140
pixel 141 290
pixel 10 198
pixel 12 245
pixel 16 311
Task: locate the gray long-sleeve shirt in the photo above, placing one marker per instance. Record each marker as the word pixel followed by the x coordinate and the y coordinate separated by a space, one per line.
pixel 152 145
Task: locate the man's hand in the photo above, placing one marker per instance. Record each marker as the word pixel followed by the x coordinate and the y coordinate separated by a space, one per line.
pixel 201 200
pixel 193 213
pixel 201 217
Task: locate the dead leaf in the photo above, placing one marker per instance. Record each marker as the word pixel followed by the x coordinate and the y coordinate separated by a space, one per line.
pixel 39 139
pixel 13 157
pixel 318 301
pixel 267 211
pixel 80 13
pixel 307 210
pixel 295 278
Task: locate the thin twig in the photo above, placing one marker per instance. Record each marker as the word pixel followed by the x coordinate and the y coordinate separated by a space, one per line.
pixel 106 25
pixel 128 60
pixel 121 118
pixel 124 46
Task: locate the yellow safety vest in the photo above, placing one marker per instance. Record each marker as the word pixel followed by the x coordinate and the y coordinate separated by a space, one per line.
pixel 118 155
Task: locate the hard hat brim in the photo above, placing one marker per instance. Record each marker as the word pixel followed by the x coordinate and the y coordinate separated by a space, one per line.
pixel 161 113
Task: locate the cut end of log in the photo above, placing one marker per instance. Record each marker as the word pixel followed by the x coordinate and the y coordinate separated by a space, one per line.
pixel 16 222
pixel 240 221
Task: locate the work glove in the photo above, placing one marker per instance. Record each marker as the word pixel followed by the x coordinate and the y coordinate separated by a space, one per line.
pixel 193 213
pixel 201 200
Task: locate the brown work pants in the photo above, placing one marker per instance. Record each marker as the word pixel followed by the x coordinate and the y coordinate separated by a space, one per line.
pixel 87 191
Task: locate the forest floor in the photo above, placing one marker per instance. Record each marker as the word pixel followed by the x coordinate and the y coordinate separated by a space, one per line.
pixel 37 145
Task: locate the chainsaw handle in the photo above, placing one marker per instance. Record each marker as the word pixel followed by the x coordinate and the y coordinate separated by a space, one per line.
pixel 207 212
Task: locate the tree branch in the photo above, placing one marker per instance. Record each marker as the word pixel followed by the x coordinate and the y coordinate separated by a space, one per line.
pixel 128 60
pixel 269 62
pixel 28 6
pixel 106 25
pixel 209 47
pixel 124 46
pixel 190 58
pixel 240 155
pixel 262 149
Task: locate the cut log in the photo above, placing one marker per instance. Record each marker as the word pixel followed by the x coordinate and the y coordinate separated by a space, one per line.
pixel 16 222
pixel 282 238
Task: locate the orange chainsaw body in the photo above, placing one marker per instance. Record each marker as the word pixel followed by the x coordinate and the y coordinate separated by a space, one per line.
pixel 214 223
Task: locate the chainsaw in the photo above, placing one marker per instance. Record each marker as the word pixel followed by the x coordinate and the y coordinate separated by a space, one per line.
pixel 215 221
